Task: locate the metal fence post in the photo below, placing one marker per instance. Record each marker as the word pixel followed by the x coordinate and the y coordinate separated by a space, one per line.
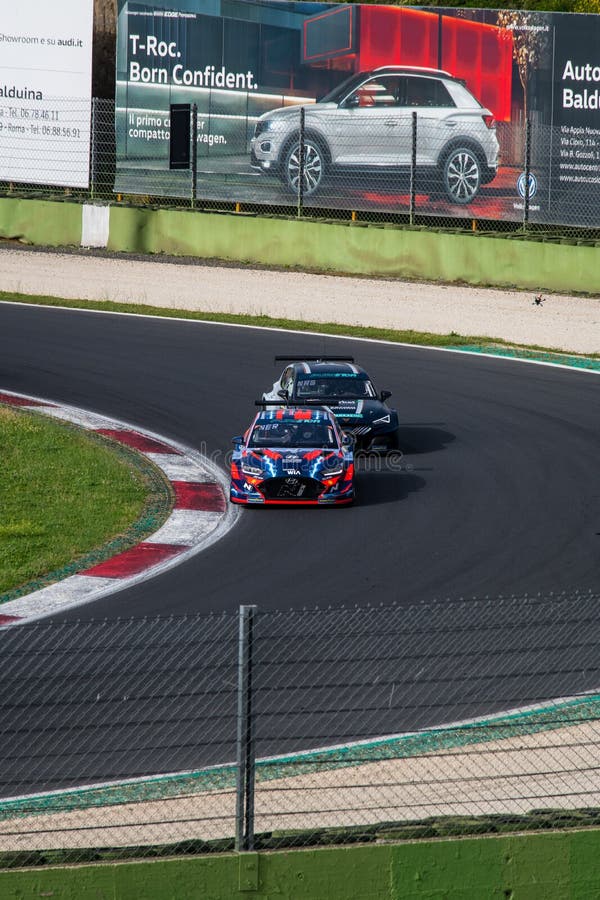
pixel 301 162
pixel 527 171
pixel 194 140
pixel 93 148
pixel 413 170
pixel 244 812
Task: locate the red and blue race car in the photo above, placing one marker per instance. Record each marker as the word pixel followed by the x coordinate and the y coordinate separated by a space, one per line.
pixel 296 455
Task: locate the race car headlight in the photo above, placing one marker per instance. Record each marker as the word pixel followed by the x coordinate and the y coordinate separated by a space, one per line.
pixel 384 420
pixel 249 469
pixel 334 473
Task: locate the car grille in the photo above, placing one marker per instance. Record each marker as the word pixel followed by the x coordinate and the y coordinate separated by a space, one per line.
pixel 291 488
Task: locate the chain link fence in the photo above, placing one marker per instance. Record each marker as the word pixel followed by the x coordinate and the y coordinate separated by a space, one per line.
pixel 395 169
pixel 265 729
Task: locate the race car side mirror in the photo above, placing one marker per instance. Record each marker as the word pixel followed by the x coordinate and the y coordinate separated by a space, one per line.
pixel 237 440
pixel 283 394
pixel 384 395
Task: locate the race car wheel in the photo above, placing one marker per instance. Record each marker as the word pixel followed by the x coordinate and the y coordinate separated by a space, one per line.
pixel 394 441
pixel 314 166
pixel 388 443
pixel 461 175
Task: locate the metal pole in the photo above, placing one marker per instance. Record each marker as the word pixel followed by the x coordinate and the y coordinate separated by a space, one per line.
pixel 301 162
pixel 527 170
pixel 244 814
pixel 93 148
pixel 194 139
pixel 413 170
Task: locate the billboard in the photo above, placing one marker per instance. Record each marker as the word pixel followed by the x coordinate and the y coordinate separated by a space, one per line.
pixel 45 91
pixel 496 112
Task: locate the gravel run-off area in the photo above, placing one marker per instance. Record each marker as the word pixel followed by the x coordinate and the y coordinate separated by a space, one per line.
pixel 559 322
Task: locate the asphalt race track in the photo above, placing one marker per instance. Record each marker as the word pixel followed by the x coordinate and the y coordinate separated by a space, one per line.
pixel 498 493
pixel 499 498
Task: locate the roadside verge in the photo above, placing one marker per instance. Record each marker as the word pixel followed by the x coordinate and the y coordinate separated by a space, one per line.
pixel 200 516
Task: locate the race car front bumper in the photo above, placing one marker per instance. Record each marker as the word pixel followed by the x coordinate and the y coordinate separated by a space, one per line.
pixel 324 501
pixel 292 492
pixel 373 441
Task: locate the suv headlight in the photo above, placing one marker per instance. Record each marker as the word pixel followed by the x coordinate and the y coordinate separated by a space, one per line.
pixel 262 126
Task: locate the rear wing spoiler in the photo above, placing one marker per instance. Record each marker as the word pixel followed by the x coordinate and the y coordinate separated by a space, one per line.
pixel 321 358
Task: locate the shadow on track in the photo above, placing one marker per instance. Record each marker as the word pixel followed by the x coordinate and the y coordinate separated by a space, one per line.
pixel 375 488
pixel 418 437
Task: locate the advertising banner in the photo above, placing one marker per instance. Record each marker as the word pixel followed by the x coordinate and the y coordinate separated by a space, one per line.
pixel 45 91
pixel 491 114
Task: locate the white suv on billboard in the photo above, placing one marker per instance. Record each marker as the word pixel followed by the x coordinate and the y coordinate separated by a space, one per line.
pixel 366 124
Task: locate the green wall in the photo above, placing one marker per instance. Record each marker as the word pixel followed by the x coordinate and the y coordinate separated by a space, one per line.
pixel 40 222
pixel 318 245
pixel 361 249
pixel 549 866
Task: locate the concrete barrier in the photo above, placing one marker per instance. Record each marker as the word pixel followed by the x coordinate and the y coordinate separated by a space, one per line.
pixel 315 245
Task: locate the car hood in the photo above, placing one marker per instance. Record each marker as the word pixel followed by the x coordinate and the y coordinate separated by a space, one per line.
pixel 310 463
pixel 285 112
pixel 360 412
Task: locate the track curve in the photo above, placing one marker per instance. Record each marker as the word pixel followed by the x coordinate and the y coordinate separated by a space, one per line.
pixel 501 495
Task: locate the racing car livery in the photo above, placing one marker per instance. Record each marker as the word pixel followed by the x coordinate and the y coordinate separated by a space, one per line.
pixel 295 455
pixel 359 410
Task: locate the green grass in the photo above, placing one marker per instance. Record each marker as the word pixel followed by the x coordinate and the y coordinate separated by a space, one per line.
pixel 65 493
pixel 357 331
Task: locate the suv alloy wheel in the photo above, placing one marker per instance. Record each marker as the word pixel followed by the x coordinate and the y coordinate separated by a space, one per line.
pixel 461 175
pixel 314 166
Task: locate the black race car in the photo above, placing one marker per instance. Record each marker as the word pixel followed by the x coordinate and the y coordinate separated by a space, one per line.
pixel 359 409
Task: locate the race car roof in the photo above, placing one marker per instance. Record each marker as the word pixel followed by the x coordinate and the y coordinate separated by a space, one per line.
pixel 295 414
pixel 329 368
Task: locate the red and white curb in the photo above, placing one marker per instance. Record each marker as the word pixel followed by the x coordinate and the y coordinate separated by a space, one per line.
pixel 201 516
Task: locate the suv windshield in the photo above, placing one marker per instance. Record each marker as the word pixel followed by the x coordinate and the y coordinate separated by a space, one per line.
pixel 293 434
pixel 345 88
pixel 352 387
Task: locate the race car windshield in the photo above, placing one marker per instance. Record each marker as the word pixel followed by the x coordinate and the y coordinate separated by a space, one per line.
pixel 316 435
pixel 332 387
